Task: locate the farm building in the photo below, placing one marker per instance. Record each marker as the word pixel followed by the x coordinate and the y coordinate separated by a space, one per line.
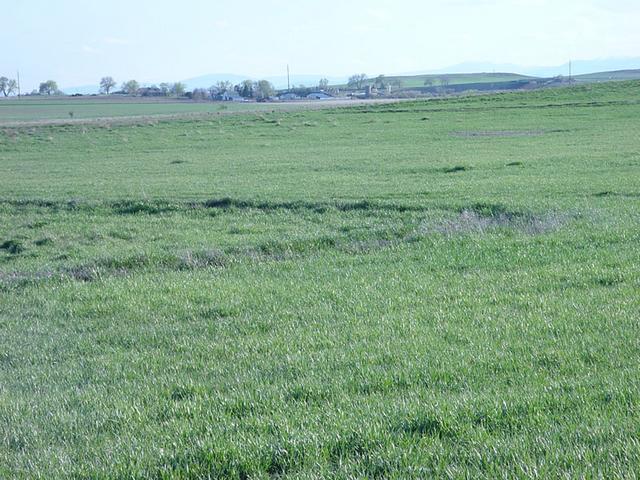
pixel 288 96
pixel 319 96
pixel 151 92
pixel 229 96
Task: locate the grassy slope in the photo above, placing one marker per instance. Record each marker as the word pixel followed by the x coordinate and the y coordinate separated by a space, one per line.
pixel 619 75
pixel 338 315
pixel 417 81
pixel 456 78
pixel 409 81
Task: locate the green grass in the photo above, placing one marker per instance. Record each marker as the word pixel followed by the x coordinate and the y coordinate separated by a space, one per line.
pixel 410 81
pixel 413 81
pixel 446 288
pixel 619 75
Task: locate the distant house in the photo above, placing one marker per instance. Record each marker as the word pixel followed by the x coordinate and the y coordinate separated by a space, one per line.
pixel 229 96
pixel 319 96
pixel 150 92
pixel 288 96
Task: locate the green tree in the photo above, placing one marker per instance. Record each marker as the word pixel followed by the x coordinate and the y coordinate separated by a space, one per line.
pixel 48 88
pixel 264 89
pixel 178 89
pixel 106 84
pixel 245 89
pixel 131 87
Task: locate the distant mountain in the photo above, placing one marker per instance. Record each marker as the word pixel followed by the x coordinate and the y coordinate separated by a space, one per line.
pixel 578 67
pixel 306 80
pixel 205 81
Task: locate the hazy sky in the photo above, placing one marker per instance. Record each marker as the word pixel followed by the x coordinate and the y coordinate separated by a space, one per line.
pixel 77 42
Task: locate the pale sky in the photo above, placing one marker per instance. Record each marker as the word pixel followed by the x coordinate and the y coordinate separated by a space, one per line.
pixel 77 42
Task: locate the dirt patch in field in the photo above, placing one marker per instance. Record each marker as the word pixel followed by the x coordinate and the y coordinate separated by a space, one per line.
pixel 9 280
pixel 498 133
pixel 609 193
pixel 472 222
pixel 486 218
pixel 457 168
pixel 190 259
pixel 504 133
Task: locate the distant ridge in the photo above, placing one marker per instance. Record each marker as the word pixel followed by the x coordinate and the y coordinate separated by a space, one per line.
pixel 578 67
pixel 279 82
pixel 597 68
pixel 609 76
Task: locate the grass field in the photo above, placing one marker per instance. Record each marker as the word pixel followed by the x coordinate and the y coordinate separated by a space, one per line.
pixel 43 109
pixel 447 288
pixel 620 75
pixel 409 81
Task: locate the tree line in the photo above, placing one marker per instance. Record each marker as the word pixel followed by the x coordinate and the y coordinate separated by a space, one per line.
pixel 247 89
pixel 10 86
pixel 261 89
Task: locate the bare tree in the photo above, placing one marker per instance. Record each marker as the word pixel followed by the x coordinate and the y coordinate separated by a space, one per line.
pixel 7 86
pixel 49 87
pixel 12 86
pixel 357 80
pixel 380 82
pixel 106 84
pixel 165 88
pixel 445 80
pixel 224 85
pixel 199 94
pixel 323 84
pixel 220 88
pixel 131 87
